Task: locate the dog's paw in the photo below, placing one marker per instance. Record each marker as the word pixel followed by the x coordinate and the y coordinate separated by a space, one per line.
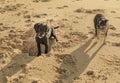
pixel 39 55
pixel 93 37
pixel 48 54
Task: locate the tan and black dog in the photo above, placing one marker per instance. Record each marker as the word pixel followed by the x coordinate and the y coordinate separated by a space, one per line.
pixel 101 24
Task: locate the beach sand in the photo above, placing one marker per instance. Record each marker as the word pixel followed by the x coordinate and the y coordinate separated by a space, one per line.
pixel 75 58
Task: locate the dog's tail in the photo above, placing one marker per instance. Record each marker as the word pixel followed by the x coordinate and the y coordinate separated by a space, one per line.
pixel 56 27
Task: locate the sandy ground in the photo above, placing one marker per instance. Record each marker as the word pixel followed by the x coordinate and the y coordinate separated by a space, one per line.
pixel 76 58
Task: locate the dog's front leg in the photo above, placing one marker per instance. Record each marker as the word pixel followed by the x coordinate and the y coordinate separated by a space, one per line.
pixel 95 26
pixel 46 48
pixel 38 46
pixel 97 32
pixel 105 35
pixel 39 49
pixel 96 29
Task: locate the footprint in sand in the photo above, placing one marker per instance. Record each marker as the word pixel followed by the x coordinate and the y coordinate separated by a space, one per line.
pixel 65 6
pixel 113 11
pixel 112 27
pixel 116 44
pixel 37 16
pixel 117 17
pixel 12 7
pixel 28 20
pixel 115 34
pixel 34 81
pixel 36 1
pixel 82 10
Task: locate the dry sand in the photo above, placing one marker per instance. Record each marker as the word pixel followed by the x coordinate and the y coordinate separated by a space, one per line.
pixel 76 58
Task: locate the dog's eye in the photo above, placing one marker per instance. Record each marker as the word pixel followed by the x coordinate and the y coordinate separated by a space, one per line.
pixel 103 23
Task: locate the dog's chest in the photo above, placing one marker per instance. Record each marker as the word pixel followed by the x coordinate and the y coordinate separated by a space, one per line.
pixel 49 32
pixel 102 30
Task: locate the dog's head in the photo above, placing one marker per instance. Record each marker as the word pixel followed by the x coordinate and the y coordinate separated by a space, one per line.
pixel 40 29
pixel 103 22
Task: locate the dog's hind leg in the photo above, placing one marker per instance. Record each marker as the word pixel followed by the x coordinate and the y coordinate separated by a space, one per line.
pixel 46 48
pixel 39 49
pixel 54 35
pixel 96 30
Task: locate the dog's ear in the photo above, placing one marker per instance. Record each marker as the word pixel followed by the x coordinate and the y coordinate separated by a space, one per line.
pixel 36 27
pixel 106 21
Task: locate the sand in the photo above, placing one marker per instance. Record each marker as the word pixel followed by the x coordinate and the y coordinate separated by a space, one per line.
pixel 75 58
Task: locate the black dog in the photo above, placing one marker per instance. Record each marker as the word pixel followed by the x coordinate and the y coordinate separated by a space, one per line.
pixel 43 35
pixel 100 23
